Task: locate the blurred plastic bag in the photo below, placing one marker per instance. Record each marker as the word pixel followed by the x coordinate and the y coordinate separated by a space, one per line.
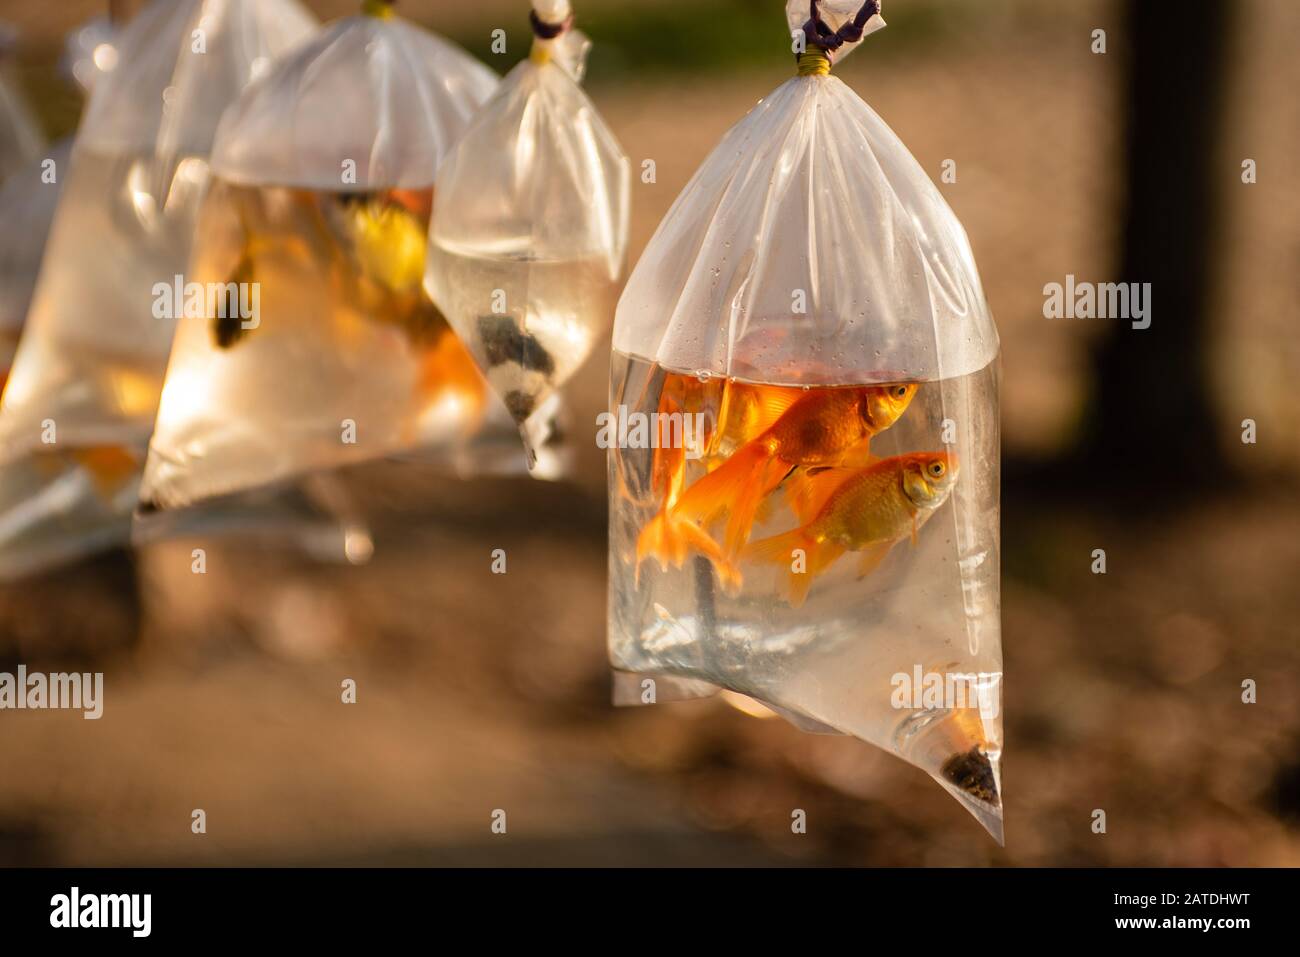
pixel 529 235
pixel 29 195
pixel 323 188
pixel 81 398
pixel 27 203
pixel 24 208
pixel 821 532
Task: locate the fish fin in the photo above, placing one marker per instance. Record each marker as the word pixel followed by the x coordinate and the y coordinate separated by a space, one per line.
pixel 808 490
pixel 871 557
pixel 751 495
pixel 669 539
pixel 728 573
pixel 772 403
pixel 859 455
pixel 668 463
pixel 714 493
pixel 780 549
pixel 660 539
pixel 820 557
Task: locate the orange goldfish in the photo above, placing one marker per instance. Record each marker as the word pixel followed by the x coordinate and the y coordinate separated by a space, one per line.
pixel 672 541
pixel 868 513
pixel 109 466
pixel 447 369
pixel 746 411
pixel 819 428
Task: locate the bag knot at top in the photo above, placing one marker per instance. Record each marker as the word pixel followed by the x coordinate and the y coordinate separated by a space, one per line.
pixel 548 31
pixel 550 20
pixel 821 41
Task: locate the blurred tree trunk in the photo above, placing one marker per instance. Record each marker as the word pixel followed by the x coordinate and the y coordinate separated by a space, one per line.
pixel 1150 415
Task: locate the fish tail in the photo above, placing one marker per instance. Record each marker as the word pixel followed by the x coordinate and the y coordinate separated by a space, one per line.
pixel 805 556
pixel 660 540
pixel 869 558
pixel 669 539
pixel 744 508
pixel 728 573
pixel 807 492
pixel 668 463
pixel 715 492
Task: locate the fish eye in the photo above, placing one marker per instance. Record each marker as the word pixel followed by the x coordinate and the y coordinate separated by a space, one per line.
pixel 936 469
pixel 900 391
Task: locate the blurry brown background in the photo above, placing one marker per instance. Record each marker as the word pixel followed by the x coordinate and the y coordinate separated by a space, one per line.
pixel 478 692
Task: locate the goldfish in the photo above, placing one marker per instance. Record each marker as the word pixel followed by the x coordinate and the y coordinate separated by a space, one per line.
pixel 418 202
pixel 672 541
pixel 389 242
pixel 817 428
pixel 226 323
pixel 747 410
pixel 447 369
pixel 109 466
pixel 869 512
pixel 972 772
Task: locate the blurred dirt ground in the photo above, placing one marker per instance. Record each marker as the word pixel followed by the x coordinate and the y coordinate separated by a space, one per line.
pixel 479 692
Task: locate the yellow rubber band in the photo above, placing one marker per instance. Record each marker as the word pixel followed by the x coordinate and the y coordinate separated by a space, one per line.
pixel 814 62
pixel 377 8
pixel 541 52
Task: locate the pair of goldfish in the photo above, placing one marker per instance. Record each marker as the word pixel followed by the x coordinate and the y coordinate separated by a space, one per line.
pixel 817 443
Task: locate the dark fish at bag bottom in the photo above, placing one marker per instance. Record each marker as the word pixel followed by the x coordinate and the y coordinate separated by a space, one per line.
pixel 504 342
pixel 973 773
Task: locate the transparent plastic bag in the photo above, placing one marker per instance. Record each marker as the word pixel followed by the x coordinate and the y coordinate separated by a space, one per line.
pixel 24 207
pixel 821 532
pixel 323 188
pixel 27 204
pixel 30 194
pixel 81 398
pixel 529 234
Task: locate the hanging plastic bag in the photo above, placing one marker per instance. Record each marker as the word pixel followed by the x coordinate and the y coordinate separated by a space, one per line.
pixel 80 402
pixel 24 208
pixel 818 526
pixel 323 189
pixel 27 202
pixel 529 234
pixel 29 195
